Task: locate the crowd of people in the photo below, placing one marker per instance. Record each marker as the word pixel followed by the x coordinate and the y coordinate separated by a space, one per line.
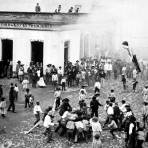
pixel 82 123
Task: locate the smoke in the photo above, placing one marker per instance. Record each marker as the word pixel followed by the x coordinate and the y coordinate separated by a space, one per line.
pixel 113 21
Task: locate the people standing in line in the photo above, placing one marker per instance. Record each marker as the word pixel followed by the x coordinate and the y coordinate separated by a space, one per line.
pixel 12 99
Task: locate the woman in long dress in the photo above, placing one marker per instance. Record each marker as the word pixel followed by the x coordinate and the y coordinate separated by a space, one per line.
pixel 41 82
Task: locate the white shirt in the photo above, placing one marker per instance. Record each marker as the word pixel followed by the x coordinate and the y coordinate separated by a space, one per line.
pixel 134 73
pixel 123 108
pixel 131 128
pixel 63 81
pixel 98 85
pixel 47 122
pixel 110 110
pixel 60 71
pixel 110 67
pixel 36 109
pixel 25 83
pixel 79 124
pixel 54 77
pixel 96 126
pixel 16 89
pixel 106 67
pixel 128 114
pixel 57 94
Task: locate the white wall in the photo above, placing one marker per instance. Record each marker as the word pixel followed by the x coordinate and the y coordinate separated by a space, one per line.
pixel 53 50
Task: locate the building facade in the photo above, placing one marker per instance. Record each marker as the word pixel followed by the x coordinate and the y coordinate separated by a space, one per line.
pixel 47 38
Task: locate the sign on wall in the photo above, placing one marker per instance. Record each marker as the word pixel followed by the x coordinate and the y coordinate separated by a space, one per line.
pixel 27 26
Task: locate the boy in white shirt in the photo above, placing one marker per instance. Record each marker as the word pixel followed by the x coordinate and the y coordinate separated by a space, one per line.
pixel 37 111
pixel 48 124
pixel 96 126
pixel 16 89
pixel 54 80
pixel 63 83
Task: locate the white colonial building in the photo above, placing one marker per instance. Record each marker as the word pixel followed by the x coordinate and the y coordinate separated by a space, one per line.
pixel 48 38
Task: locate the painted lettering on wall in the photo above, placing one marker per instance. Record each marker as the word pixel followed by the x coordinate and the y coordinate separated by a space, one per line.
pixel 26 26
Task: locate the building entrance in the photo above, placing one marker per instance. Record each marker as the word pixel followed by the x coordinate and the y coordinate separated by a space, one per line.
pixel 7 50
pixel 7 56
pixel 37 52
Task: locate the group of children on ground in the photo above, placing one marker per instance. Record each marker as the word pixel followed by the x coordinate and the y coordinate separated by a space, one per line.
pixel 83 123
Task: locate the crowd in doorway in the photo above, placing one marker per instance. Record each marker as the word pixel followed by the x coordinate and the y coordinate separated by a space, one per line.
pixel 82 123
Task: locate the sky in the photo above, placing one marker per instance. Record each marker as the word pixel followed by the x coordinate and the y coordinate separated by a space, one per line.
pixel 46 5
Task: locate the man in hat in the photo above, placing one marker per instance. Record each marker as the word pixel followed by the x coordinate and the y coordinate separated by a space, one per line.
pixel 60 74
pixel 17 67
pixel 48 73
pixel 65 106
pixel 94 105
pixel 12 99
pixel 21 73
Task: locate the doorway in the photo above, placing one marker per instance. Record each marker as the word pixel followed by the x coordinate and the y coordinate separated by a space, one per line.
pixel 7 50
pixel 7 56
pixel 37 52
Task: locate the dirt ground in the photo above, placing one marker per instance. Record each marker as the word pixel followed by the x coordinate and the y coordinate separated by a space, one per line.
pixel 16 123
